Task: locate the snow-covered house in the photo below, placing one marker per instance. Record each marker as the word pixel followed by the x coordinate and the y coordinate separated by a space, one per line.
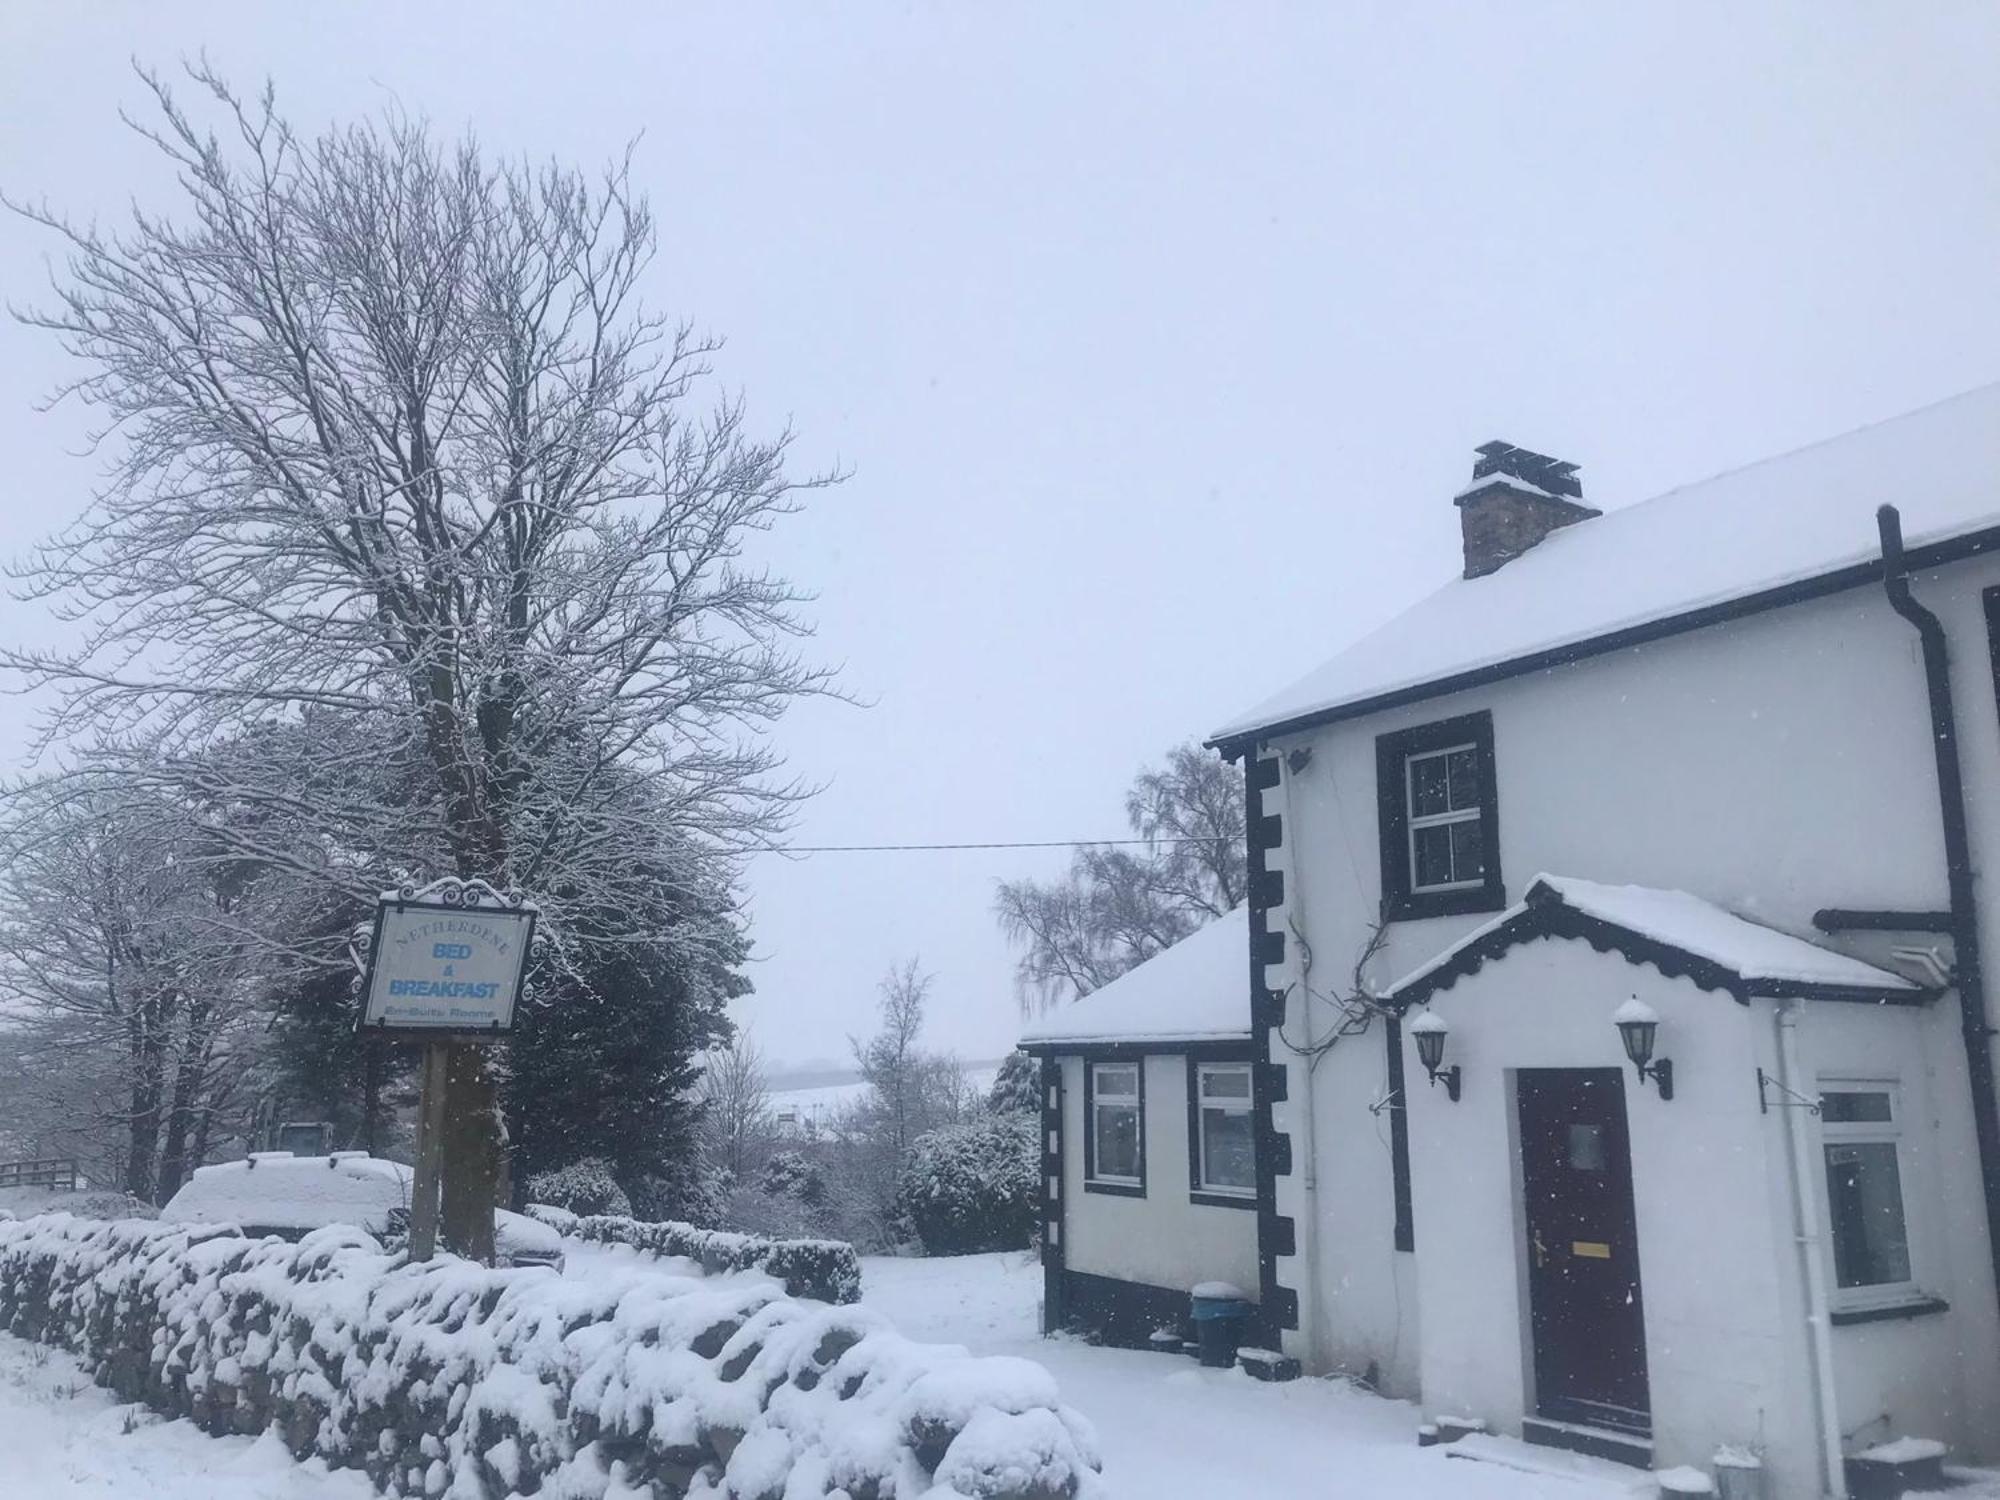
pixel 1150 1184
pixel 1624 896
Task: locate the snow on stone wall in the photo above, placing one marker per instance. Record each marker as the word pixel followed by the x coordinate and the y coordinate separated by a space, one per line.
pixel 825 1270
pixel 451 1380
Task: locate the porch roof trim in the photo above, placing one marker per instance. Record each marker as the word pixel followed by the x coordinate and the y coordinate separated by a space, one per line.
pixel 1680 934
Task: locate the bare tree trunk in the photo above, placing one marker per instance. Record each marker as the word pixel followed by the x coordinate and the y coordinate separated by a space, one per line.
pixel 204 1118
pixel 142 1125
pixel 190 1083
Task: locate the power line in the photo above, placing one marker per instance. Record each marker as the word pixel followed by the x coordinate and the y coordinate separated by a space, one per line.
pixel 1018 844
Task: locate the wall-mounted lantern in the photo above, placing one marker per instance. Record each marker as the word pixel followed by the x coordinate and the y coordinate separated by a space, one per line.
pixel 1430 1031
pixel 1639 1027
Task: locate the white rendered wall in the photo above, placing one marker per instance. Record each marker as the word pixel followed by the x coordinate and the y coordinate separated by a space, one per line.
pixel 1715 1264
pixel 1162 1239
pixel 1929 1376
pixel 1777 764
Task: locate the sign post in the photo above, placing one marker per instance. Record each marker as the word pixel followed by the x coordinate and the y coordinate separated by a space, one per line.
pixel 428 1178
pixel 444 967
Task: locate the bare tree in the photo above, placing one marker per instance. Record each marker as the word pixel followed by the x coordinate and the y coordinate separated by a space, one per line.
pixel 889 1061
pixel 1192 810
pixel 1117 907
pixel 396 444
pixel 737 1102
pixel 122 975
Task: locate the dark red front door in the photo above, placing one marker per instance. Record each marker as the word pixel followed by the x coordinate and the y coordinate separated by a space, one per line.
pixel 1583 1252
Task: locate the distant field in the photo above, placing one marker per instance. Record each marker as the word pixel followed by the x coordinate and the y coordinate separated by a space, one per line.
pixel 813 1099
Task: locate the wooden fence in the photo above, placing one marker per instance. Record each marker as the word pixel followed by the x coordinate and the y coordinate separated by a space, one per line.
pixel 47 1172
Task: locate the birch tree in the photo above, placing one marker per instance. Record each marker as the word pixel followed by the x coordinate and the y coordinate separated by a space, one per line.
pixel 1117 907
pixel 394 441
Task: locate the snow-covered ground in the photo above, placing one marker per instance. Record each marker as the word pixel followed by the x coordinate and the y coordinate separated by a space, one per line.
pixel 1174 1431
pixel 1170 1430
pixel 61 1436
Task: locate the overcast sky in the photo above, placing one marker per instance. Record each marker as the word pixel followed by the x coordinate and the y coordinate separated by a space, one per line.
pixel 1157 338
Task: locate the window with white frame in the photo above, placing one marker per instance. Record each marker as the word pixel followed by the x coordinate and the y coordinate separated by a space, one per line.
pixel 1861 1134
pixel 1117 1152
pixel 1447 845
pixel 1438 803
pixel 1225 1143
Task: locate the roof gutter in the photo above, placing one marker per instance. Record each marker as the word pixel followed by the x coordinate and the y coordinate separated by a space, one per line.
pixel 1974 1026
pixel 1133 1045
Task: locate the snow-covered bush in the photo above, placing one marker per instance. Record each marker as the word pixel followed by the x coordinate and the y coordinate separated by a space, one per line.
pixel 972 1187
pixel 788 1174
pixel 692 1193
pixel 582 1187
pixel 825 1270
pixel 449 1379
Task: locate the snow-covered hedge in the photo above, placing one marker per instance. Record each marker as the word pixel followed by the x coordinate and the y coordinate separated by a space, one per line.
pixel 451 1380
pixel 826 1270
pixel 583 1187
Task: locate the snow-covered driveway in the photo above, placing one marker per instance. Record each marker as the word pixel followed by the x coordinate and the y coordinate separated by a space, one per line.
pixel 61 1436
pixel 1174 1431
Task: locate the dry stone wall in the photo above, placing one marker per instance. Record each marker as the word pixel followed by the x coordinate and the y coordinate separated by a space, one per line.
pixel 453 1380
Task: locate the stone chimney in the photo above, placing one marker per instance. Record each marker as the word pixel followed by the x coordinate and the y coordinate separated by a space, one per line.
pixel 1515 499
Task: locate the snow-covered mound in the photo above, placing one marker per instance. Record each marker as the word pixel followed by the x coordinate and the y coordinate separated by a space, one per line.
pixel 449 1379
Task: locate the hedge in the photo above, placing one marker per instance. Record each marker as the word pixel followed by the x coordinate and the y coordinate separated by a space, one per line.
pixel 825 1270
pixel 456 1381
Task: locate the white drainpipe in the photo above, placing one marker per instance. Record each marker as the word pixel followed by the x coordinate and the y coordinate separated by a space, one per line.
pixel 1805 1208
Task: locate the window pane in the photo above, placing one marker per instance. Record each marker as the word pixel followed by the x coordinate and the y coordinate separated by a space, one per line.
pixel 1854 1107
pixel 1428 790
pixel 1228 1153
pixel 1117 1140
pixel 1433 855
pixel 1462 778
pixel 1120 1082
pixel 1586 1148
pixel 1225 1083
pixel 1864 1192
pixel 1468 851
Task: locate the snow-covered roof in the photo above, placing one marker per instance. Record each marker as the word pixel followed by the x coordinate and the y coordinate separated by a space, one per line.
pixel 1196 991
pixel 1783 521
pixel 1748 957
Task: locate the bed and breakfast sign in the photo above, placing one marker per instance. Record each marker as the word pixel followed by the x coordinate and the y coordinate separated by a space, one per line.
pixel 440 967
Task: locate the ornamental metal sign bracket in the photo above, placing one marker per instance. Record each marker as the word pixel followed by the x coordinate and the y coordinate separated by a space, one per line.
pixel 1790 1098
pixel 445 961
